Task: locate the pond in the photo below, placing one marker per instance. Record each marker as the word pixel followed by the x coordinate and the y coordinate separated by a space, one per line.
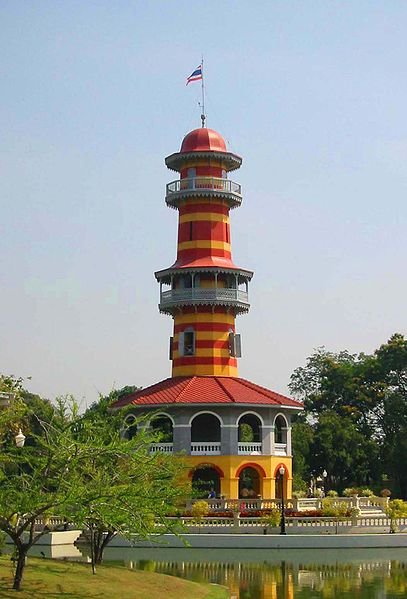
pixel 280 574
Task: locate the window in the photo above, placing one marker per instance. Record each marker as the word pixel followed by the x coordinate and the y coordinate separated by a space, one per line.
pixel 280 430
pixel 189 342
pixel 186 343
pixel 191 174
pixel 191 230
pixel 235 345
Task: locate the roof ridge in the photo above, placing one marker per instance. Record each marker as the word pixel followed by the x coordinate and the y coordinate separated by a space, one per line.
pixel 267 392
pixel 224 388
pixel 134 395
pixel 183 391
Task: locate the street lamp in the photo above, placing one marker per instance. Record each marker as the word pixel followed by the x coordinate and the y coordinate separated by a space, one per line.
pixel 20 438
pixel 324 475
pixel 282 523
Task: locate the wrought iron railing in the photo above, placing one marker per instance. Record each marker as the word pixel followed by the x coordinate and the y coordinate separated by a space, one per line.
pixel 201 294
pixel 197 184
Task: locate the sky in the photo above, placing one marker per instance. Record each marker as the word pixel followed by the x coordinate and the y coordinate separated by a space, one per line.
pixel 312 95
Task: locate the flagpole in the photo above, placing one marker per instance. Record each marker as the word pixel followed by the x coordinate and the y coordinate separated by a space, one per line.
pixel 203 117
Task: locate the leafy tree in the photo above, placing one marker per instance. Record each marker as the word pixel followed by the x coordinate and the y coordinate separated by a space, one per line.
pixel 83 472
pixel 302 439
pixel 357 406
pixel 143 487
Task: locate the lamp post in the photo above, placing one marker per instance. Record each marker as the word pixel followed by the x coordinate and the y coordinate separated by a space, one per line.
pixel 324 475
pixel 20 438
pixel 282 523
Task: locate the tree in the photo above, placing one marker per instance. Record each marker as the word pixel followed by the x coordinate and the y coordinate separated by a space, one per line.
pixel 358 402
pixel 143 487
pixel 83 472
pixel 302 439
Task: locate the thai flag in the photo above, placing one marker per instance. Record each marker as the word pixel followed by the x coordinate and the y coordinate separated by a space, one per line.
pixel 196 75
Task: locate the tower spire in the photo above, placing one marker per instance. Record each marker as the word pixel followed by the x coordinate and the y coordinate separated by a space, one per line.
pixel 203 116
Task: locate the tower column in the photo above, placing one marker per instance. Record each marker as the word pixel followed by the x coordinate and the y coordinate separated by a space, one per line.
pixel 204 299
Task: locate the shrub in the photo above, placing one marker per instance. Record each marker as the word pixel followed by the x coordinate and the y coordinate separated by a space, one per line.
pixel 385 493
pixel 272 519
pixel 200 509
pixel 298 494
pixel 332 493
pixel 366 492
pixel 397 508
pixel 351 492
pixel 340 510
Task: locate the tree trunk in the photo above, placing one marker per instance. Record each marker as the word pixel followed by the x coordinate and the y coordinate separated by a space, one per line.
pixel 18 576
pixel 92 549
pixel 102 540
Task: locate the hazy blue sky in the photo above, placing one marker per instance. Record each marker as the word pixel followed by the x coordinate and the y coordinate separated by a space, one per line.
pixel 312 94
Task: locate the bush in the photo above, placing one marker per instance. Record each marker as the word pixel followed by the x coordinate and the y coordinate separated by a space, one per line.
pixel 340 510
pixel 200 509
pixel 298 494
pixel 366 492
pixel 332 493
pixel 397 508
pixel 385 493
pixel 351 492
pixel 272 519
pixel 299 485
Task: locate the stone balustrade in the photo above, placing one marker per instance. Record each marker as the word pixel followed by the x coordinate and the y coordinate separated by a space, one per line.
pixel 301 505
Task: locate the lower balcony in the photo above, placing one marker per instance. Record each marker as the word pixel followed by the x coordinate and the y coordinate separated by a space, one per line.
pixel 205 448
pixel 249 449
pixel 280 448
pixel 161 447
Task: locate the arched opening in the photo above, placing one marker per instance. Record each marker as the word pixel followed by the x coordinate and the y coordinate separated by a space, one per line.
pixel 249 483
pixel 205 427
pixel 281 482
pixel 162 426
pixel 206 479
pixel 280 430
pixel 249 429
pixel 129 429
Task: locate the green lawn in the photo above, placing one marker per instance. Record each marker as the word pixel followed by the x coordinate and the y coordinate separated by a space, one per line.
pixel 50 579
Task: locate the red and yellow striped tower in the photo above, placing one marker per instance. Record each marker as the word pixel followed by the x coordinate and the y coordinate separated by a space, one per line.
pixel 234 434
pixel 204 290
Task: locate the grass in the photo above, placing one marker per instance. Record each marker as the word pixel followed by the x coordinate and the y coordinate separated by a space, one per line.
pixel 46 578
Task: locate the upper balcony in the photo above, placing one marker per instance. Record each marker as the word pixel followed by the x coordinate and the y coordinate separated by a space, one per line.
pixel 199 295
pixel 213 187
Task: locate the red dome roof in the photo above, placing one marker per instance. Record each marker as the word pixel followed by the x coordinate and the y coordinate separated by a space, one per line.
pixel 203 140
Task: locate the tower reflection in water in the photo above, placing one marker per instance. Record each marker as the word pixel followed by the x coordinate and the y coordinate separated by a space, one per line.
pixel 286 580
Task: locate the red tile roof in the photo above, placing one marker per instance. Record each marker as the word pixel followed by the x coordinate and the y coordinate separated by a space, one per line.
pixel 206 390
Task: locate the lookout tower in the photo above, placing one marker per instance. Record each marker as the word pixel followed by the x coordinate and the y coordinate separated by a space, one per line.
pixel 204 290
pixel 236 435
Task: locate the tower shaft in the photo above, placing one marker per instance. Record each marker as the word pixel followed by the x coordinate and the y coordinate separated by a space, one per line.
pixel 206 289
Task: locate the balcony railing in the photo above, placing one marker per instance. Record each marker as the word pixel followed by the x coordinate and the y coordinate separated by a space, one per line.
pixel 249 448
pixel 205 448
pixel 203 185
pixel 201 295
pixel 162 447
pixel 280 448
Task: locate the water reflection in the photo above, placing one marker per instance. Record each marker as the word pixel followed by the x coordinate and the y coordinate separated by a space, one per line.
pixel 277 574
